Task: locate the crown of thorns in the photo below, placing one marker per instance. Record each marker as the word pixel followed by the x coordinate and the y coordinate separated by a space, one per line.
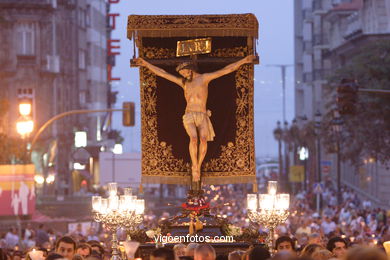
pixel 186 65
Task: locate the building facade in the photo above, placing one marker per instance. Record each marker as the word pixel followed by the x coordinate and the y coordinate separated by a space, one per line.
pixel 327 35
pixel 54 53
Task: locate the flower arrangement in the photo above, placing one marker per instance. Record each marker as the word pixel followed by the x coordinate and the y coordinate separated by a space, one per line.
pixel 232 230
pixel 151 233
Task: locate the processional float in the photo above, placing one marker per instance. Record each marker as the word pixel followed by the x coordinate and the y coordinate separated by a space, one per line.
pixel 208 43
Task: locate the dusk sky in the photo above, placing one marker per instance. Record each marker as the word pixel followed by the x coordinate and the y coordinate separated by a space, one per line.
pixel 275 46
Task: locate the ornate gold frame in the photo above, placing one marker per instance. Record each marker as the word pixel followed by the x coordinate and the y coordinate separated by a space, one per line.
pixel 236 163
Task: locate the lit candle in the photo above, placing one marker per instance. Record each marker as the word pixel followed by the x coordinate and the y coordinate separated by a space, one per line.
pixel 140 206
pixel 251 202
pixel 272 187
pixel 127 191
pixel 122 203
pixel 130 248
pixel 112 189
pixel 282 201
pixel 266 201
pixel 132 205
pixel 96 203
pixel 386 245
pixel 113 202
pixel 104 206
pixel 36 254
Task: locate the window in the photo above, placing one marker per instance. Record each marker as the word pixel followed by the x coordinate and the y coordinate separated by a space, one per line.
pixel 25 39
pixel 88 16
pixel 81 59
pixel 83 97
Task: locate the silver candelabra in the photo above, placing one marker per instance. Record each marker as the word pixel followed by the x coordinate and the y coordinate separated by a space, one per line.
pixel 118 211
pixel 269 210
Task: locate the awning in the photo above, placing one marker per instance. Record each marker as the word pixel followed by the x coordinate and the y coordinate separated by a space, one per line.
pixel 192 25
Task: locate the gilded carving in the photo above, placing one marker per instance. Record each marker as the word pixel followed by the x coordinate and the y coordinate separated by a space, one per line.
pixel 181 25
pixel 237 156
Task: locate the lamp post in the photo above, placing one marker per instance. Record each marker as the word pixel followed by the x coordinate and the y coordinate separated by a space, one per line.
pixel 269 209
pixel 285 152
pixel 317 128
pixel 336 126
pixel 25 124
pixel 117 211
pixel 278 132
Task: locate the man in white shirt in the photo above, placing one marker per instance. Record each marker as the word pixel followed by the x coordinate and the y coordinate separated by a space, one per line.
pixel 328 225
pixel 11 238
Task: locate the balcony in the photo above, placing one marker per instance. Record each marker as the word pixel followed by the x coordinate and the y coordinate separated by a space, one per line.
pixel 308 46
pixel 26 60
pixel 318 7
pixel 354 26
pixel 321 74
pixel 52 64
pixel 307 77
pixel 320 41
pixel 307 15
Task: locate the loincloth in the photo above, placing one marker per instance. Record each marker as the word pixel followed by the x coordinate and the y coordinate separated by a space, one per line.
pixel 197 118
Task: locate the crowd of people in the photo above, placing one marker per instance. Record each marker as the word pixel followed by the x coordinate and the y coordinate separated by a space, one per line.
pixel 338 231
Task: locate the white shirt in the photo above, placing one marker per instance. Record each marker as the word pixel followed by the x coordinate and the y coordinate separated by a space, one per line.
pixel 11 239
pixel 328 227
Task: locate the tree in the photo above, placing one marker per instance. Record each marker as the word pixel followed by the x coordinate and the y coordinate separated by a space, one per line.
pixel 367 132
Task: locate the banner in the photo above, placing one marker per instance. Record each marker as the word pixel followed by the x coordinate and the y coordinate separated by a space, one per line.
pixel 17 193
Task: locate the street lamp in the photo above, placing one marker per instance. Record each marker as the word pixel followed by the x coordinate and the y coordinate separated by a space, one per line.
pixel 25 124
pixel 286 159
pixel 278 134
pixel 25 108
pixel 336 126
pixel 317 128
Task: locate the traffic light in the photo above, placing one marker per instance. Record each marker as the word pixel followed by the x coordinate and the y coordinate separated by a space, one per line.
pixel 347 96
pixel 128 114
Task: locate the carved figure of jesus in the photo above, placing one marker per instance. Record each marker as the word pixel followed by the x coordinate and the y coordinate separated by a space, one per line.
pixel 196 119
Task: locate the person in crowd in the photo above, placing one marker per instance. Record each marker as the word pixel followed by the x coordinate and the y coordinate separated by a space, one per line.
pixel 11 238
pixel 96 248
pixel 66 247
pixel 322 254
pixel 315 238
pixel 257 253
pixel 328 225
pixel 77 257
pixel 92 234
pixel 338 246
pixel 204 252
pixel 221 257
pixel 42 236
pixel 304 229
pixel 285 243
pixel 179 250
pixel 365 253
pixel 162 254
pixel 55 256
pixel 236 255
pixel 83 249
pixel 310 249
pixel 190 249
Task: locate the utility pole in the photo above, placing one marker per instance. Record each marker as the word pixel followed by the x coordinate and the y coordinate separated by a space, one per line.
pixel 283 71
pixel 284 122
